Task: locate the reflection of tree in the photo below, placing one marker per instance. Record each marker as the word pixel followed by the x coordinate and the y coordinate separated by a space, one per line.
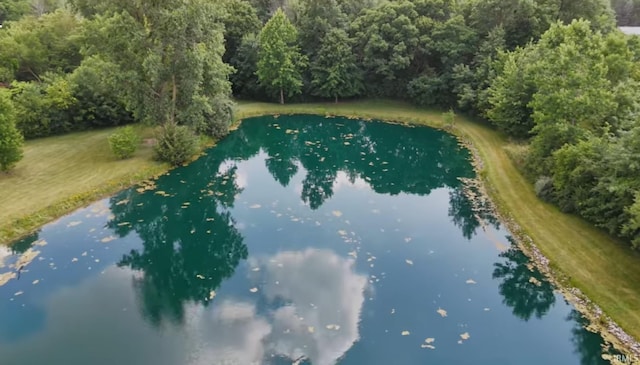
pixel 588 345
pixel 525 295
pixel 392 160
pixel 188 235
pixel 464 215
pixel 22 245
pixel 190 243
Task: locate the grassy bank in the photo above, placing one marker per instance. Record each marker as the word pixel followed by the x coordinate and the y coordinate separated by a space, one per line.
pixel 56 169
pixel 61 173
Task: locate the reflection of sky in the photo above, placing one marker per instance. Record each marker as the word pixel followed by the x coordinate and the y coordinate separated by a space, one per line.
pixel 315 288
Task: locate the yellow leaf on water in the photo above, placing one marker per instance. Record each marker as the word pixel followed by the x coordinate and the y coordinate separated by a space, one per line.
pixel 442 312
pixel 311 329
pixel 535 281
pixel 253 290
pixel 470 281
pixel 255 269
pixel 334 327
pixel 427 346
pixel 255 206
pixel 40 243
pixel 74 259
pixel 406 333
pixel 337 213
pixel 19 293
pixel 6 277
pixel 354 254
pixel 342 232
pixel 407 239
pixel 429 340
pixel 465 336
pixel 108 239
pixel 212 294
pixel 35 282
pixel 200 277
pixel 74 223
pixel 409 262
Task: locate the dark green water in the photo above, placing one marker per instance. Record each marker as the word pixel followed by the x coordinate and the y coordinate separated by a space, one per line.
pixel 327 241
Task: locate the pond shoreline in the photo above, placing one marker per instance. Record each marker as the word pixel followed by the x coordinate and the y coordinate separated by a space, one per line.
pixel 600 322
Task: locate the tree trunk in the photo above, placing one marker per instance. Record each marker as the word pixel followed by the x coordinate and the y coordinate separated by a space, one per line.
pixel 173 99
pixel 336 99
pixel 281 96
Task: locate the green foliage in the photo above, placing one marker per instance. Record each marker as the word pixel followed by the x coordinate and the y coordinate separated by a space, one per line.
pixel 98 102
pixel 11 140
pixel 510 94
pixel 317 18
pixel 217 120
pixel 176 144
pixel 385 42
pixel 240 20
pixel 33 46
pixel 632 227
pixel 472 81
pixel 11 10
pixel 280 62
pixel 43 108
pixel 124 142
pixel 334 70
pixel 449 118
pixel 168 54
pixel 245 81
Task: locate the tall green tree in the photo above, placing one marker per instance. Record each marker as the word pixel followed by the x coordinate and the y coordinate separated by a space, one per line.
pixel 334 70
pixel 169 54
pixel 245 61
pixel 32 46
pixel 280 63
pixel 240 19
pixel 13 9
pixel 11 140
pixel 317 18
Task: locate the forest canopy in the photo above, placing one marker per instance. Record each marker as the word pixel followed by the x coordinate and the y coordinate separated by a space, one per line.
pixel 555 76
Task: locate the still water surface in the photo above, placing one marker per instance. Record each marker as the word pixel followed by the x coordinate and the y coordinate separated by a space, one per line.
pixel 297 239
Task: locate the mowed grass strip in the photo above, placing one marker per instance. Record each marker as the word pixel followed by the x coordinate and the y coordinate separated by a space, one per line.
pixel 603 268
pixel 61 173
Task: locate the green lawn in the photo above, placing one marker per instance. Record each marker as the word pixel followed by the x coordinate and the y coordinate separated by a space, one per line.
pixel 61 173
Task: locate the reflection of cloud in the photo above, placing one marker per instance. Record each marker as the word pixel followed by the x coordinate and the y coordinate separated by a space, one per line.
pixel 4 254
pixel 342 181
pixel 315 288
pixel 320 289
pixel 232 334
pixel 240 175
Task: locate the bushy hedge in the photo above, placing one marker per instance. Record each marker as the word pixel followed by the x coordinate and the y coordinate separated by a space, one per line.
pixel 124 142
pixel 176 144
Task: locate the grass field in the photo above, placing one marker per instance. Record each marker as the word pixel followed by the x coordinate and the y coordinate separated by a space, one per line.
pixel 61 173
pixel 57 169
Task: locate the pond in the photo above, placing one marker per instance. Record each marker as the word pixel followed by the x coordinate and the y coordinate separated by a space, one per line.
pixel 297 240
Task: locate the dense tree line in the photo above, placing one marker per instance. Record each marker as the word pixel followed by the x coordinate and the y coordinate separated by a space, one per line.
pixel 555 75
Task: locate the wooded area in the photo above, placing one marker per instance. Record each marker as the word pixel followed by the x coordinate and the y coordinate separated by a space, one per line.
pixel 554 75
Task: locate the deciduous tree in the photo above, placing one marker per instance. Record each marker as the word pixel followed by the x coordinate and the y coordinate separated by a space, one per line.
pixel 280 62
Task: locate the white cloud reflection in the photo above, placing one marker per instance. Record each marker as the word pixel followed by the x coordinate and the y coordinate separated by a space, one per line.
pixel 315 289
